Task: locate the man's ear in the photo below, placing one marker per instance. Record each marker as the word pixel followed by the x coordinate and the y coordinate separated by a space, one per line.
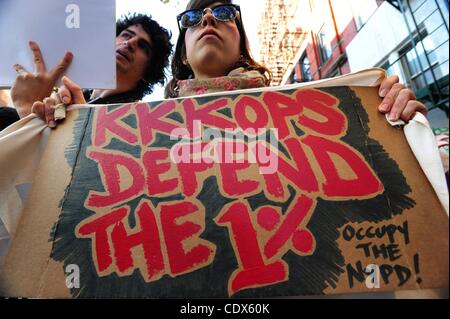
pixel 146 76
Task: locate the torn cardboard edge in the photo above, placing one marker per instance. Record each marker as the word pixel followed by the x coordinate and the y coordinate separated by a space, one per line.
pixel 430 161
pixel 48 269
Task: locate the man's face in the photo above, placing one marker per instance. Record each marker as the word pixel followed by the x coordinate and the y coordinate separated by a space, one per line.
pixel 133 53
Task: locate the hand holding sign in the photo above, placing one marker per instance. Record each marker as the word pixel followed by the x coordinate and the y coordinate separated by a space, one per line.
pixel 30 87
pixel 399 101
pixel 68 93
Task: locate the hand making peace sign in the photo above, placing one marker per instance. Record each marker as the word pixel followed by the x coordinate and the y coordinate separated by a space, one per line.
pixel 31 87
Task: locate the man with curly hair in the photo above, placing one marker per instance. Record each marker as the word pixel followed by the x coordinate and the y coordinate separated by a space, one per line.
pixel 142 54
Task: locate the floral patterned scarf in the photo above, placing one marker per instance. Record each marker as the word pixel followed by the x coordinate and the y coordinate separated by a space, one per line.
pixel 237 79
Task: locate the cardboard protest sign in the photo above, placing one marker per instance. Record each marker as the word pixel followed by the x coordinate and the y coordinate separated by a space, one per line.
pixel 288 192
pixel 87 28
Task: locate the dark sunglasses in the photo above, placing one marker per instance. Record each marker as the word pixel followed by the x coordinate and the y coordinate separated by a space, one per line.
pixel 222 12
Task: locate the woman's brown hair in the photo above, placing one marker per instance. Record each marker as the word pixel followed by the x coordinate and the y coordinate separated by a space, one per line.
pixel 180 71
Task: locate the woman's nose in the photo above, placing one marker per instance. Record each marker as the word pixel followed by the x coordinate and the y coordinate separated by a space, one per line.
pixel 208 18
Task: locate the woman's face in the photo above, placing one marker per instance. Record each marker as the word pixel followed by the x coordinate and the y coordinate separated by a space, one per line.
pixel 212 47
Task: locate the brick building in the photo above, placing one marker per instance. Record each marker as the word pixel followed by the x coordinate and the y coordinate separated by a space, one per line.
pixel 406 37
pixel 280 37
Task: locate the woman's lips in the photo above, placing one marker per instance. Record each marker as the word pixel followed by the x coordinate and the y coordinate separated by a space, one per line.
pixel 209 34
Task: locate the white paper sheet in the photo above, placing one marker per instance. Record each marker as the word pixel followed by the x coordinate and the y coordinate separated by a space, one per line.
pixel 55 26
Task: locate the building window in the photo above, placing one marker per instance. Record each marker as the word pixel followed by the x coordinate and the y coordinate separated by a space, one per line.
pixel 325 38
pixel 292 78
pixel 336 72
pixel 421 65
pixel 312 5
pixel 305 69
pixel 362 11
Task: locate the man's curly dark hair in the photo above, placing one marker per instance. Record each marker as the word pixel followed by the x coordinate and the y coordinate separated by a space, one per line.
pixel 161 50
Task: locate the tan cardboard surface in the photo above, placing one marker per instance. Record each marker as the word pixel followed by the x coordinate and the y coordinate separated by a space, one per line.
pixel 50 233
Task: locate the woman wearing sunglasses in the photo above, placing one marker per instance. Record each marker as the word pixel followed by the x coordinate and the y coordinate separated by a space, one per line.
pixel 212 55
